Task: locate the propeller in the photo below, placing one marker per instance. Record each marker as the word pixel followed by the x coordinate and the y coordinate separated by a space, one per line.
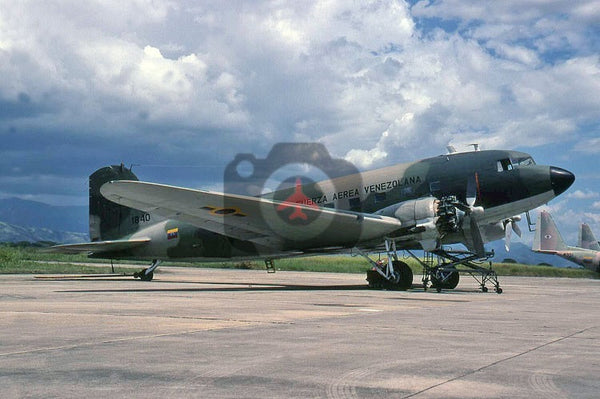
pixel 508 231
pixel 473 212
pixel 477 237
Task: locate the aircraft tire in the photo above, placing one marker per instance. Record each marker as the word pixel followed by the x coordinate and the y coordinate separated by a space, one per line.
pixel 405 276
pixel 450 283
pixel 375 279
pixel 146 277
pixel 403 282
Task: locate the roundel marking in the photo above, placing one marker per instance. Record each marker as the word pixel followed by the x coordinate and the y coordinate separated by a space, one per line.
pixel 219 211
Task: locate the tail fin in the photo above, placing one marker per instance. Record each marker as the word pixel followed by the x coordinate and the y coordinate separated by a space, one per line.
pixel 587 239
pixel 547 237
pixel 110 221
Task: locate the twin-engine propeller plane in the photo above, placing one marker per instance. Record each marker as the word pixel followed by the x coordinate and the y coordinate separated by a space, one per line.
pixel 548 240
pixel 468 198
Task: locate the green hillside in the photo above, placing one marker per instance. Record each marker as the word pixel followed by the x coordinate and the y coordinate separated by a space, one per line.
pixel 30 259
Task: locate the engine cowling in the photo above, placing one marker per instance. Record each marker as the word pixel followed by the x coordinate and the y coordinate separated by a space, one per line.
pixel 449 216
pixel 442 214
pixel 444 220
pixel 413 213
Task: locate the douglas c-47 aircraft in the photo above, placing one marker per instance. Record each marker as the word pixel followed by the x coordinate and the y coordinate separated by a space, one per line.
pixel 548 240
pixel 469 198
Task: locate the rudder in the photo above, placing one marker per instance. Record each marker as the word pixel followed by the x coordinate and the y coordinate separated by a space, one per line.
pixel 108 220
pixel 547 237
pixel 587 239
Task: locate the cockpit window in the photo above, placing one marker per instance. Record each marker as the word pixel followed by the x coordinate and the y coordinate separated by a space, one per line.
pixel 504 165
pixel 521 162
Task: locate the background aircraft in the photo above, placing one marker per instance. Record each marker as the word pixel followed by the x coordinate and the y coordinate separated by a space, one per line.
pixel 469 198
pixel 587 240
pixel 548 240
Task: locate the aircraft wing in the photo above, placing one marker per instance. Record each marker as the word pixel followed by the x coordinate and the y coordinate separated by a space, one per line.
pixel 98 246
pixel 250 218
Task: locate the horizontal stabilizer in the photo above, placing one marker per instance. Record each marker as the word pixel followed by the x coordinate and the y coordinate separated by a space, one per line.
pixel 98 246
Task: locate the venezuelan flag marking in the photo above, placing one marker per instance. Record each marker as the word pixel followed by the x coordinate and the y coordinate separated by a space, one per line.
pixel 172 233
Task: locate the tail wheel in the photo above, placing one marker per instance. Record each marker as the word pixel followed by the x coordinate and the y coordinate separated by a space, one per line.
pixel 147 277
pixel 142 275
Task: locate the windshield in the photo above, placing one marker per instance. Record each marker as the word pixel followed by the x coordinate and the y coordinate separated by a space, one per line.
pixel 521 162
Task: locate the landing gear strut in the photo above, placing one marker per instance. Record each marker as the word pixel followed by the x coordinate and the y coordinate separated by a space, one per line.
pixel 441 269
pixel 391 275
pixel 148 273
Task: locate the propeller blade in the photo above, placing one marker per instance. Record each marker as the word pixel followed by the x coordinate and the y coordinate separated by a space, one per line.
pixel 508 230
pixel 515 227
pixel 507 235
pixel 476 236
pixel 471 191
pixel 462 207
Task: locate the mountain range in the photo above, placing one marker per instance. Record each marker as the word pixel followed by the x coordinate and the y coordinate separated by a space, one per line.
pixel 12 233
pixel 21 212
pixel 523 254
pixel 32 221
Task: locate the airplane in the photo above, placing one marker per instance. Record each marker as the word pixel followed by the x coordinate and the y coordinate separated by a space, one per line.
pixel 468 198
pixel 587 240
pixel 548 240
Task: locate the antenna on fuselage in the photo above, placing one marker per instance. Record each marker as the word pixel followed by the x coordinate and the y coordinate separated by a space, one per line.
pixel 475 146
pixel 451 149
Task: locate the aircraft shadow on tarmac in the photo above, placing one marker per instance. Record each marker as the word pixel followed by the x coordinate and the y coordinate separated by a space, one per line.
pixel 226 286
pixel 247 287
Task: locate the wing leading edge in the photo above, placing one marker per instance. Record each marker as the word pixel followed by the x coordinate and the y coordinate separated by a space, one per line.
pixel 249 218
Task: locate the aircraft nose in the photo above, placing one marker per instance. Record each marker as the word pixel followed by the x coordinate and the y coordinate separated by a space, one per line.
pixel 560 179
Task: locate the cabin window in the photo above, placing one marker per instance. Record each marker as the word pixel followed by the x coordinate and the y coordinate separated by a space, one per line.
pixel 406 191
pixel 504 165
pixel 380 197
pixel 328 205
pixel 354 202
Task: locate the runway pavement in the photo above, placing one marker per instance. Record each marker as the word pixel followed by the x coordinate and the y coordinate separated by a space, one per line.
pixel 239 333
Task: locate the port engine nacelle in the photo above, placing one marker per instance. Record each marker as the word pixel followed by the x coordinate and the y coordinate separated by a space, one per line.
pixel 431 216
pixel 445 220
pixel 413 213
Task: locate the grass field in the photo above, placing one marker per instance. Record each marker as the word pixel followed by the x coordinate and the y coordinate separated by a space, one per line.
pixel 32 260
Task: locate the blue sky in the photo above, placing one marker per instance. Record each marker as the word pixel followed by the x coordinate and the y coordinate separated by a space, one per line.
pixel 179 87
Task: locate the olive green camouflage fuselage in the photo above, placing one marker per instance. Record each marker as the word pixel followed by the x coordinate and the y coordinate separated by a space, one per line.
pixel 508 183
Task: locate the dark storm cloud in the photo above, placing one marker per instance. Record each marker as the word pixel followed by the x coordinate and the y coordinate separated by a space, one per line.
pixel 179 88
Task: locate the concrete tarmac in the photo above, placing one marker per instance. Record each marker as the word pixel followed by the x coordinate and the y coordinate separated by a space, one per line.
pixel 248 334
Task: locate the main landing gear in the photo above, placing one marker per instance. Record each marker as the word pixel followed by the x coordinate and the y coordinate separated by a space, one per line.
pixel 442 269
pixel 148 273
pixel 391 275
